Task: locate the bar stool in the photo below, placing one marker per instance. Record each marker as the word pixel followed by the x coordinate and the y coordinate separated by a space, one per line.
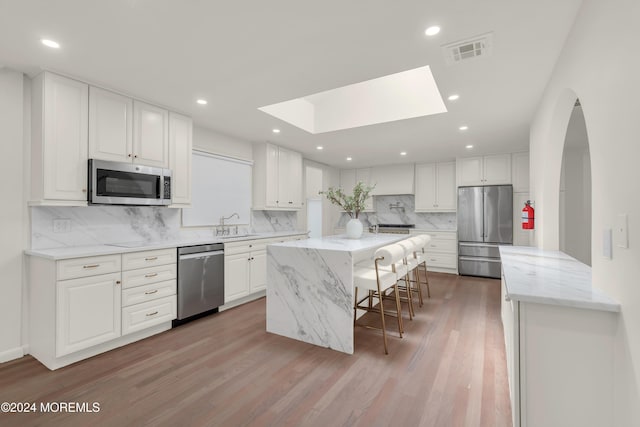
pixel 411 247
pixel 421 242
pixel 402 275
pixel 376 281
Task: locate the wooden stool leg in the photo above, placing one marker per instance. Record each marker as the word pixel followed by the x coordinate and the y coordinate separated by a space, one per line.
pixel 355 306
pixel 384 328
pixel 399 310
pixel 416 277
pixel 409 296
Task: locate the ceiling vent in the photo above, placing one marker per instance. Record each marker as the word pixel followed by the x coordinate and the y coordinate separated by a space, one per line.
pixel 468 49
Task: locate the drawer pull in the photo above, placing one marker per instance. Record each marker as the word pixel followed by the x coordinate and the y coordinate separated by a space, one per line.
pixel 151 275
pixel 152 314
pixel 151 258
pixel 151 292
pixel 433 259
pixel 91 266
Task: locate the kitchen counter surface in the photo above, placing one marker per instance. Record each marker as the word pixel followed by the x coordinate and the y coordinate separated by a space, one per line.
pixel 551 277
pixel 342 243
pixel 96 250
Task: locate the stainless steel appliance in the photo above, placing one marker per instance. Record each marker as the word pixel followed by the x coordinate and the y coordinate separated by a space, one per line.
pixel 200 279
pixel 392 228
pixel 485 221
pixel 115 183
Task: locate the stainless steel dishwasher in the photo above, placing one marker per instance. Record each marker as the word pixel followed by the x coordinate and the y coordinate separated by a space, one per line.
pixel 200 279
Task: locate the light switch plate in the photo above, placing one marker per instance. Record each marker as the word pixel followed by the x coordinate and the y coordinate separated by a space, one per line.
pixel 622 231
pixel 606 243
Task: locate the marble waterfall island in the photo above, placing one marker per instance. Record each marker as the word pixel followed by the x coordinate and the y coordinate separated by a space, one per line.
pixel 310 292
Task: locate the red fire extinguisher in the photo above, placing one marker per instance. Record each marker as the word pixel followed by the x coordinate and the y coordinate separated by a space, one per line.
pixel 527 216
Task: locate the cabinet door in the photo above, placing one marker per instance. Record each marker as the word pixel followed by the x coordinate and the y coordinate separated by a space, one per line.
pixel 426 187
pixel 180 148
pixel 347 180
pixel 364 176
pixel 236 276
pixel 392 179
pixel 446 186
pixel 88 312
pixel 289 179
pixel 470 171
pixel 520 172
pixel 272 176
pixel 65 138
pixel 497 169
pixel 258 277
pixel 150 135
pixel 110 126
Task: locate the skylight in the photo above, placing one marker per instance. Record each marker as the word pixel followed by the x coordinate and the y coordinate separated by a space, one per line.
pixel 399 96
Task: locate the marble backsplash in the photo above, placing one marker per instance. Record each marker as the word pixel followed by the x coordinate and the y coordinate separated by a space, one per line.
pixel 402 212
pixel 54 227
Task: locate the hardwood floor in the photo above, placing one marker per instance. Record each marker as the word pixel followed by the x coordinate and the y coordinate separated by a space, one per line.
pixel 448 370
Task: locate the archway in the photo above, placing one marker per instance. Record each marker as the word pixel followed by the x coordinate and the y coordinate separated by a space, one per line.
pixel 575 190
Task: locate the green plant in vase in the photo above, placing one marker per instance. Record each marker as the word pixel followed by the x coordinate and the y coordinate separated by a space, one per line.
pixel 352 204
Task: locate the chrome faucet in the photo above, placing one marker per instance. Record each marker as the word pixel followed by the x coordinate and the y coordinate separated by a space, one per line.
pixel 224 229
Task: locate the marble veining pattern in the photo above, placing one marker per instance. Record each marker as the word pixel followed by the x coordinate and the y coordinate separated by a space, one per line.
pixel 551 277
pixel 404 214
pixel 268 221
pixel 309 296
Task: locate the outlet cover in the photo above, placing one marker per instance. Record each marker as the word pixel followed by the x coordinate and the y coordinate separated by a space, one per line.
pixel 622 231
pixel 61 225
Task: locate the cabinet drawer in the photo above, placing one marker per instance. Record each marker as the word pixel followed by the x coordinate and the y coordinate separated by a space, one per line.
pixel 149 292
pixel 246 246
pixel 145 276
pixel 441 245
pixel 88 266
pixel 143 259
pixel 441 260
pixel 141 316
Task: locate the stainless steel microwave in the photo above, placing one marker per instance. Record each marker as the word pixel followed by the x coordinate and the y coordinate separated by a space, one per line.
pixel 115 183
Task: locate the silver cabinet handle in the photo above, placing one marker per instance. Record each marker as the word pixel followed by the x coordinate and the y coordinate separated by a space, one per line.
pixel 151 275
pixel 151 258
pixel 151 292
pixel 91 266
pixel 152 314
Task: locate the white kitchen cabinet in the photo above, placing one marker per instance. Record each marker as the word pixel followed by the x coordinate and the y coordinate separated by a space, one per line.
pixel 487 170
pixel 258 275
pixel 510 314
pixel 110 126
pixel 236 276
pixel 277 178
pixel 392 179
pixel 150 135
pixel 435 187
pixel 520 172
pixel 350 177
pixel 59 141
pixel 88 312
pixel 180 153
pixel 441 251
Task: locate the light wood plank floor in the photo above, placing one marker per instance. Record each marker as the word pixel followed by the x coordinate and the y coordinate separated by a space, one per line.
pixel 225 370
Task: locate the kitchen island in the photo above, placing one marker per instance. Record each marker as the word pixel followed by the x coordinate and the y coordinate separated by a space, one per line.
pixel 310 290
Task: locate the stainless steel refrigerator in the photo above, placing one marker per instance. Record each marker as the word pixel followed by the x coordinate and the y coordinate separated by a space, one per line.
pixel 485 220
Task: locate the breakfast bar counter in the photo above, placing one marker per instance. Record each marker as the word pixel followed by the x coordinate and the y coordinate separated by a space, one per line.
pixel 310 288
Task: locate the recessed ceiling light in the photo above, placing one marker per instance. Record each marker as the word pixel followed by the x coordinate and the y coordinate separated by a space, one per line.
pixel 202 101
pixel 50 43
pixel 349 159
pixel 319 147
pixel 276 131
pixel 453 97
pixel 403 153
pixel 469 147
pixel 432 31
pixel 465 127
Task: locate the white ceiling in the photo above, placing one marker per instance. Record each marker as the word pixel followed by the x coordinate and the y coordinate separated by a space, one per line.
pixel 243 55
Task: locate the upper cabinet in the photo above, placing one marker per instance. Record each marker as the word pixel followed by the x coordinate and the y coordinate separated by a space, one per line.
pixel 150 135
pixel 59 141
pixel 350 177
pixel 435 187
pixel 392 179
pixel 277 178
pixel 486 170
pixel 520 172
pixel 110 126
pixel 180 154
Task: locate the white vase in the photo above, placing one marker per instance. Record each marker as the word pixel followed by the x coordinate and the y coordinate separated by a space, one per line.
pixel 354 228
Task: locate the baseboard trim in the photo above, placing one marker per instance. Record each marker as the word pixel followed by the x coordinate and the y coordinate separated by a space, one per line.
pixel 11 354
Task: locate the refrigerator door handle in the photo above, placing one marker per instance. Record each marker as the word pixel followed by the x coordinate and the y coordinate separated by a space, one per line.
pixel 465 258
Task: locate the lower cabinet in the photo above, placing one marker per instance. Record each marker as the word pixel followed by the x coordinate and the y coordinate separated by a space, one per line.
pixel 236 276
pixel 88 312
pixel 441 251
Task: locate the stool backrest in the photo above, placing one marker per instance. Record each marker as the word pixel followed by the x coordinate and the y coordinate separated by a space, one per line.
pixel 390 254
pixel 421 241
pixel 410 246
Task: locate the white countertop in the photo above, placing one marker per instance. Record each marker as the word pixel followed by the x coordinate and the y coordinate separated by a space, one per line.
pixel 340 242
pixel 551 277
pixel 83 251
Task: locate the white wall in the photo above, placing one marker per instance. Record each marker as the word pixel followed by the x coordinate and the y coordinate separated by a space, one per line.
pixel 217 143
pixel 598 66
pixel 12 220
